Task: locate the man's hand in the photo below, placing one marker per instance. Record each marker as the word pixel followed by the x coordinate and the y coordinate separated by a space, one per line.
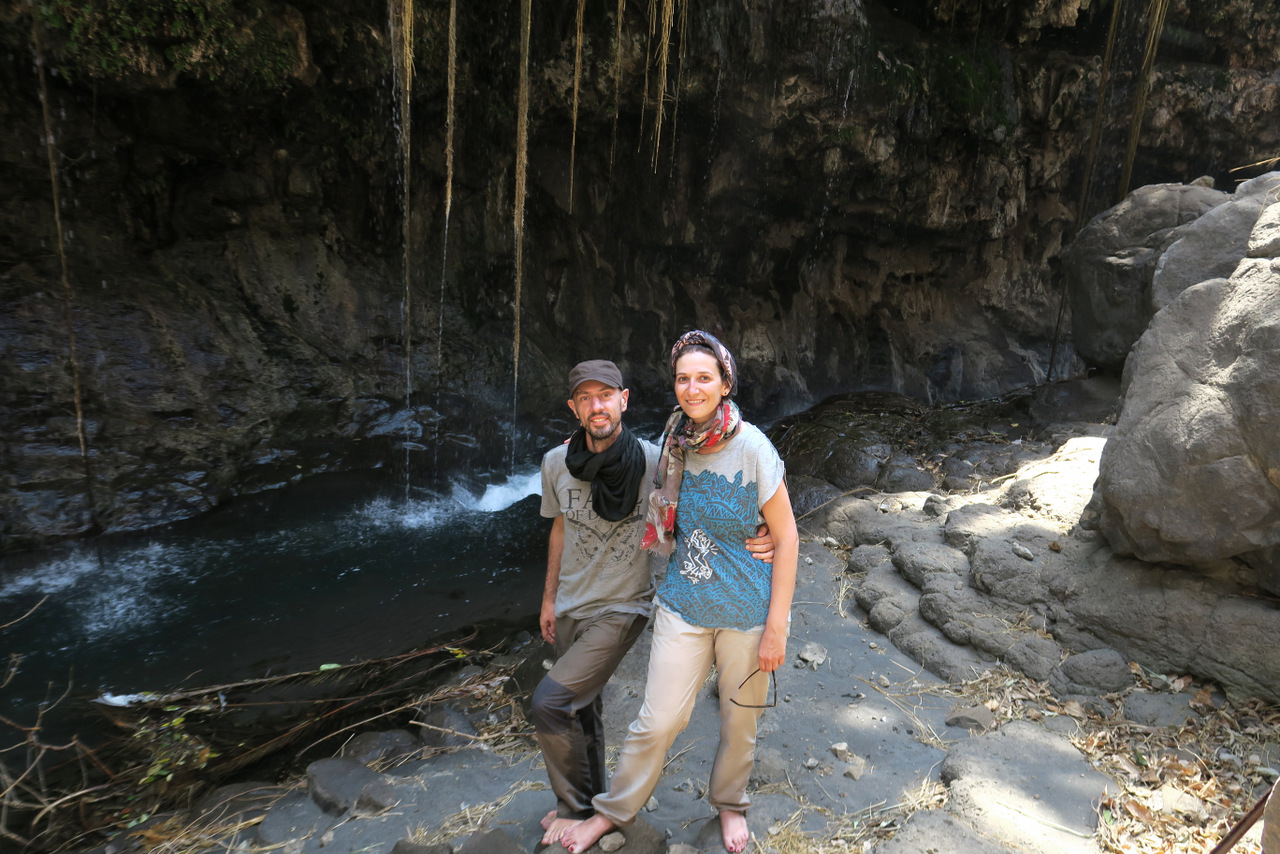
pixel 761 545
pixel 548 621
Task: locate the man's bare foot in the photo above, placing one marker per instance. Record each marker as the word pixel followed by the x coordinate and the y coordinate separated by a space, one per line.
pixel 556 827
pixel 587 833
pixel 733 829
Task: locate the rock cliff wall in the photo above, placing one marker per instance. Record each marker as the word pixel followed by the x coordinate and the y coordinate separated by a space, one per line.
pixel 853 195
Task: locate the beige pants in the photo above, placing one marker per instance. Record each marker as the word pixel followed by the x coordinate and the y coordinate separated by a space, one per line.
pixel 1271 823
pixel 680 658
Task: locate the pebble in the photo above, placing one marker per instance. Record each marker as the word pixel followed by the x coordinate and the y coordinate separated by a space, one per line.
pixel 1023 552
pixel 611 842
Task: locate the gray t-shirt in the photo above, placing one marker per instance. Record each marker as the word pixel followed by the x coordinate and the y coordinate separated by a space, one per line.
pixel 603 568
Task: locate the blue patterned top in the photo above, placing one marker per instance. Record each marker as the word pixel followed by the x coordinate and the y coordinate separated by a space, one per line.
pixel 712 580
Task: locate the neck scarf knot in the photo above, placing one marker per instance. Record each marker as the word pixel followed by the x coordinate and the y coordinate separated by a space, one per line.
pixel 679 437
pixel 615 473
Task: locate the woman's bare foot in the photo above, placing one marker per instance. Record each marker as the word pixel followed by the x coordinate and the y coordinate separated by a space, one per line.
pixel 587 833
pixel 733 829
pixel 556 827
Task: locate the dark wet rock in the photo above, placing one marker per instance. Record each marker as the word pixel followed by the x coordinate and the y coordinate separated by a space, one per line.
pixel 293 818
pixel 237 802
pixel 336 785
pixel 447 725
pixel 406 847
pixel 388 746
pixel 903 473
pixel 807 494
pixel 492 842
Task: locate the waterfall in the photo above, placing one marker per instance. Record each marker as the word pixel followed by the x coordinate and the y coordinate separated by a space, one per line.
pixel 522 156
pixel 452 78
pixel 402 63
pixel 68 296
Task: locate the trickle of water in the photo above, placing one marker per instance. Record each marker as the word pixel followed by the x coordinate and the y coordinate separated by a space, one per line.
pixel 401 13
pixel 522 156
pixel 448 205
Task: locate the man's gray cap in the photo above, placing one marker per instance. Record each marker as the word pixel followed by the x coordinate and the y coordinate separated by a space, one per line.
pixel 600 370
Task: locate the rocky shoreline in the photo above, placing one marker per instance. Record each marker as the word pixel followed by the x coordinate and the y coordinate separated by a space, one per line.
pixel 941 697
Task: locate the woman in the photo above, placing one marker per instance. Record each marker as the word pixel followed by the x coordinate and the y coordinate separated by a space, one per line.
pixel 716 478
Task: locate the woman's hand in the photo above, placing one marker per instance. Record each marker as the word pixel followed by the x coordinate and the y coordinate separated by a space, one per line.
pixel 773 649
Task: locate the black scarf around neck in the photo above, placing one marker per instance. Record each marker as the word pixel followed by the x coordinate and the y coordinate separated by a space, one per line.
pixel 615 473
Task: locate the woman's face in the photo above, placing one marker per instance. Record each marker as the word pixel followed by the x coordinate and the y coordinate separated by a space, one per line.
pixel 699 387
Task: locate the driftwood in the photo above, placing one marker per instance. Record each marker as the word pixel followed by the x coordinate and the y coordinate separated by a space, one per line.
pixel 170 746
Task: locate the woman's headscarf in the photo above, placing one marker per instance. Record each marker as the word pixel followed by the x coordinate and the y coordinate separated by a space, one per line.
pixel 681 436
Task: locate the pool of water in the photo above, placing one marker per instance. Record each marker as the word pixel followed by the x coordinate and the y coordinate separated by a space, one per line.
pixel 338 569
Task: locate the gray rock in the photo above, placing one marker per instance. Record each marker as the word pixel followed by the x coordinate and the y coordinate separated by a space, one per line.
pixel 1172 620
pixel 917 561
pixel 1159 710
pixel 978 718
pixel 1109 263
pixel 1035 655
pixel 865 558
pixel 1098 671
pixel 1188 474
pixel 1027 788
pixel 938 832
pixel 1264 240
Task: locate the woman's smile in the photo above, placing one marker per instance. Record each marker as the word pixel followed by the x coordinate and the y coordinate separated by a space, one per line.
pixel 698 385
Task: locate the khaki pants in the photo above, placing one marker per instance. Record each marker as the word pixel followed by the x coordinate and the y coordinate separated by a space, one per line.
pixel 1271 823
pixel 680 658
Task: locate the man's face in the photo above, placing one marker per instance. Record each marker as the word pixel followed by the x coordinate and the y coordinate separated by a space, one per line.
pixel 598 408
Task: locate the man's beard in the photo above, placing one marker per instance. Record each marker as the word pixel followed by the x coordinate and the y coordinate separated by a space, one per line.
pixel 610 430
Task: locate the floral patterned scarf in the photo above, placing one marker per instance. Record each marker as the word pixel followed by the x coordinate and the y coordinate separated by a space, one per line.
pixel 681 436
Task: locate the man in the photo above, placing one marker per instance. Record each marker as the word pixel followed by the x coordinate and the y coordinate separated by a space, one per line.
pixel 599 586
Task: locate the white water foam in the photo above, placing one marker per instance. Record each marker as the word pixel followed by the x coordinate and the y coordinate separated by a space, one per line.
pixel 431 513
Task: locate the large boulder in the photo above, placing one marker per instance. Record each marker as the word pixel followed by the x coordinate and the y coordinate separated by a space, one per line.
pixel 1191 473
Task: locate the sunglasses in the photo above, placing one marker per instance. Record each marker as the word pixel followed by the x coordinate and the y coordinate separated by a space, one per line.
pixel 773 680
